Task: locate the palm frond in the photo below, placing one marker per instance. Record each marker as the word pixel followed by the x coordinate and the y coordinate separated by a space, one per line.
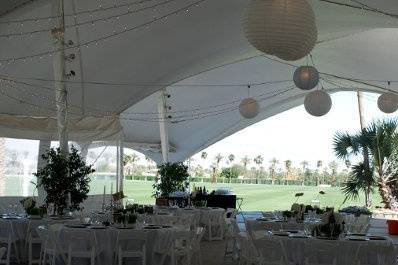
pixel 344 145
pixel 361 179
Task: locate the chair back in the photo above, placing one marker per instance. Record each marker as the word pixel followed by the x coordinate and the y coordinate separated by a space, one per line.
pixel 47 237
pixel 197 236
pixel 270 250
pixel 132 240
pixel 78 239
pixel 164 241
pixel 32 225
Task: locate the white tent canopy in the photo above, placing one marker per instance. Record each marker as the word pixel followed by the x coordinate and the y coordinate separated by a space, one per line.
pixel 195 50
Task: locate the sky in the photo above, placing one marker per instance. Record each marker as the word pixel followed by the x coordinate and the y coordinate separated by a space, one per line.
pixel 293 134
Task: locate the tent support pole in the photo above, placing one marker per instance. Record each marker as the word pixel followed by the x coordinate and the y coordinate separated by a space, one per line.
pixel 163 125
pixel 59 75
pixel 120 166
pixel 44 146
pixel 117 168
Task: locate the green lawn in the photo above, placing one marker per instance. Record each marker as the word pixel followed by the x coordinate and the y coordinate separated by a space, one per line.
pixel 256 196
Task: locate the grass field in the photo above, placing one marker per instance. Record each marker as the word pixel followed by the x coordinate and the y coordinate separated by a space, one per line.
pixel 255 196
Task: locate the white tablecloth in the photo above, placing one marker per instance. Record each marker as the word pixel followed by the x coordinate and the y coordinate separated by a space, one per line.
pixel 256 225
pixel 346 252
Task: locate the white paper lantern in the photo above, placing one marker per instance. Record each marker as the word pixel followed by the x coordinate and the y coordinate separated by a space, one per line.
pixel 284 28
pixel 306 77
pixel 318 103
pixel 388 102
pixel 249 108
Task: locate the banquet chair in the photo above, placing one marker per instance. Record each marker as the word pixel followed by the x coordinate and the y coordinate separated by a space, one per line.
pixel 270 250
pixel 196 253
pixel 32 239
pixel 322 252
pixel 231 241
pixel 248 254
pixel 80 244
pixel 131 244
pixel 48 246
pixel 163 248
pixel 214 224
pixel 9 241
pixel 186 220
pixel 182 247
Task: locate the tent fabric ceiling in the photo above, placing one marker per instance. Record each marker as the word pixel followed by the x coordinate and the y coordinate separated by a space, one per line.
pixel 203 44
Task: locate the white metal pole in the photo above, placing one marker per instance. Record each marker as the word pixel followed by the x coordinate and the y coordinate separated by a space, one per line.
pixel 44 146
pixel 121 165
pixel 163 126
pixel 117 168
pixel 58 34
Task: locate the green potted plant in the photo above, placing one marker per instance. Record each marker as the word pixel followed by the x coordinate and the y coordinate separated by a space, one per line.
pixel 173 177
pixel 65 179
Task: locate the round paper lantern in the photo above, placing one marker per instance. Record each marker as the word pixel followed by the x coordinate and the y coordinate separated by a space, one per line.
pixel 388 102
pixel 306 77
pixel 249 108
pixel 284 28
pixel 318 103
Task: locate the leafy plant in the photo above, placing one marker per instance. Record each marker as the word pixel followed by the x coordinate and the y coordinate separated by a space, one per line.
pixel 378 144
pixel 173 177
pixel 63 175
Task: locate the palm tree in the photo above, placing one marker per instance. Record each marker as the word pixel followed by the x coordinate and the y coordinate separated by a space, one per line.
pixel 333 166
pixel 272 168
pixel 258 160
pixel 304 165
pixel 379 140
pixel 217 160
pixel 231 158
pixel 129 161
pixel 245 161
pixel 288 169
pixel 319 165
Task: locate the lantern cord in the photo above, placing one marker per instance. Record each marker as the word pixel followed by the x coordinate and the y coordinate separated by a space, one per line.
pixel 354 80
pixel 361 6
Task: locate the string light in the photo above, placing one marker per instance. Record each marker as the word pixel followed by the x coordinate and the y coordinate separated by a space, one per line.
pixel 202 110
pixel 178 118
pixel 76 14
pixel 91 21
pixel 361 6
pixel 103 38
